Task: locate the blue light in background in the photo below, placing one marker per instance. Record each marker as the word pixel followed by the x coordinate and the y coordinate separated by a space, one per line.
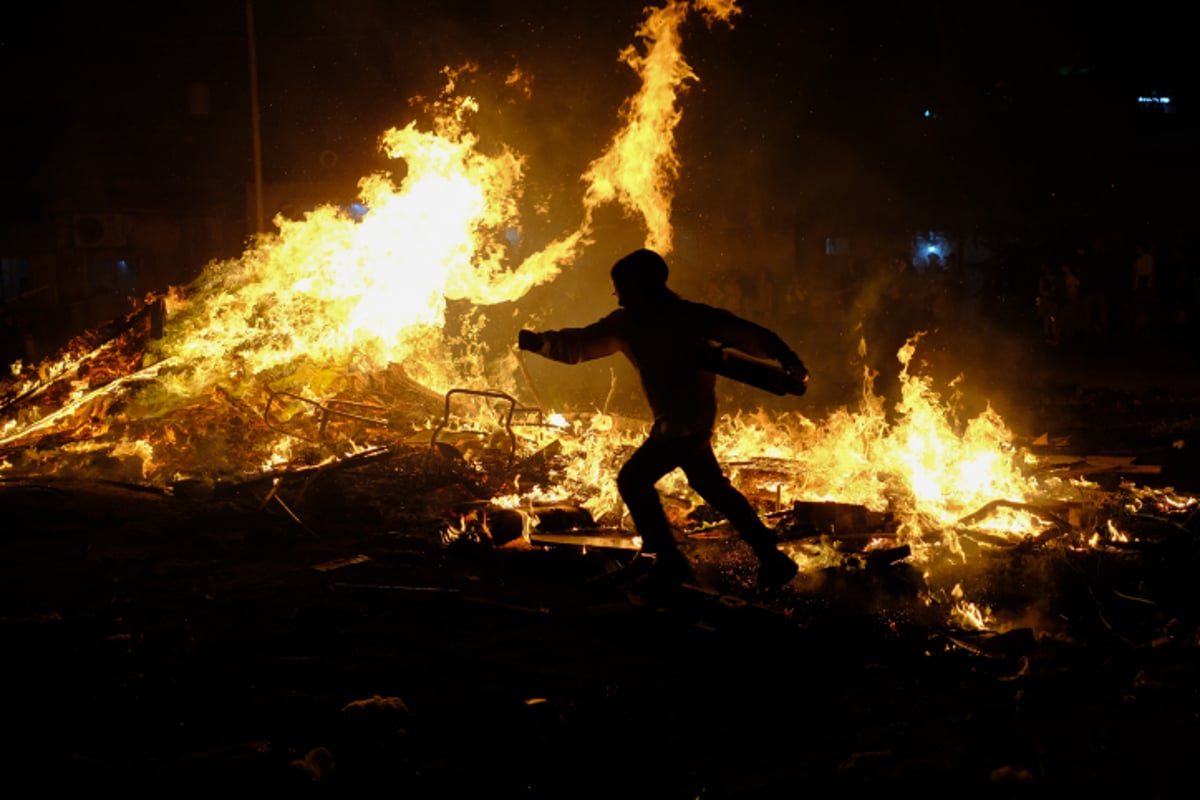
pixel 1156 102
pixel 929 248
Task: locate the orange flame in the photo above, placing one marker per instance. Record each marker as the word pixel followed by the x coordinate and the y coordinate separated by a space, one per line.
pixel 639 168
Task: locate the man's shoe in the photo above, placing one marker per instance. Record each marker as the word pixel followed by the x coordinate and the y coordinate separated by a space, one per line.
pixel 661 582
pixel 672 567
pixel 776 570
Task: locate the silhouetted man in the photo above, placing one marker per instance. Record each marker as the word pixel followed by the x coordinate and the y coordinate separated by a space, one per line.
pixel 666 339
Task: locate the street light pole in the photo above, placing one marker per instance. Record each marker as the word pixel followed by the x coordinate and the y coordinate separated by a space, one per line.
pixel 254 116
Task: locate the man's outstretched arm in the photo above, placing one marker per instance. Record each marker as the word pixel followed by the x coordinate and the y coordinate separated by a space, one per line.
pixel 572 345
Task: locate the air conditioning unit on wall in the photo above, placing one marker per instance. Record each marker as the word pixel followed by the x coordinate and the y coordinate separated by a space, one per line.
pixel 100 230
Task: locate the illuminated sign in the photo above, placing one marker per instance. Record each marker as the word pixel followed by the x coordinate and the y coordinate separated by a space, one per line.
pixel 1155 101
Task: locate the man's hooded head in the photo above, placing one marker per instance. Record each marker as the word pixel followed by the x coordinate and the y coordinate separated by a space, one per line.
pixel 639 278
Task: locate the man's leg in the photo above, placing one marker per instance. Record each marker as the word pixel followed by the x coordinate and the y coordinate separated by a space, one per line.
pixel 635 482
pixel 705 476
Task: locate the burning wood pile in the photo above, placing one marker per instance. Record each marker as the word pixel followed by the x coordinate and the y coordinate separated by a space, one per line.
pixel 315 375
pixel 961 530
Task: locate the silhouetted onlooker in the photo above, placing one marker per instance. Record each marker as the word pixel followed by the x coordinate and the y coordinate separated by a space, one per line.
pixel 1047 304
pixel 1143 291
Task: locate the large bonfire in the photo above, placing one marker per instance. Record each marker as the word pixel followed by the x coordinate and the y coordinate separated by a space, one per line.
pixel 344 314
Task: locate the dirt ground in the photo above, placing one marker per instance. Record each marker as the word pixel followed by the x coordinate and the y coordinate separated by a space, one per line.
pixel 206 639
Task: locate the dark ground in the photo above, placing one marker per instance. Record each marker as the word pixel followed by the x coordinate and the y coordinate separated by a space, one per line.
pixel 206 640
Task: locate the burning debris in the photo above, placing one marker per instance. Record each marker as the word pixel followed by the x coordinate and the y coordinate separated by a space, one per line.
pixel 320 364
pixel 897 534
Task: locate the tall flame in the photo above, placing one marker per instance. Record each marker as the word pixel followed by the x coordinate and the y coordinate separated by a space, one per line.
pixel 639 167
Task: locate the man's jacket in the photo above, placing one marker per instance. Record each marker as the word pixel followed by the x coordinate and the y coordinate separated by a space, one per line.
pixel 666 345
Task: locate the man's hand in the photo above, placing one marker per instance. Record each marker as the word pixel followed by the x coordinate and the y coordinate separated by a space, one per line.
pixel 530 340
pixel 794 367
pixel 797 374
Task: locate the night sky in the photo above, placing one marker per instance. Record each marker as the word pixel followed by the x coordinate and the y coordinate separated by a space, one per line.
pixel 895 109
